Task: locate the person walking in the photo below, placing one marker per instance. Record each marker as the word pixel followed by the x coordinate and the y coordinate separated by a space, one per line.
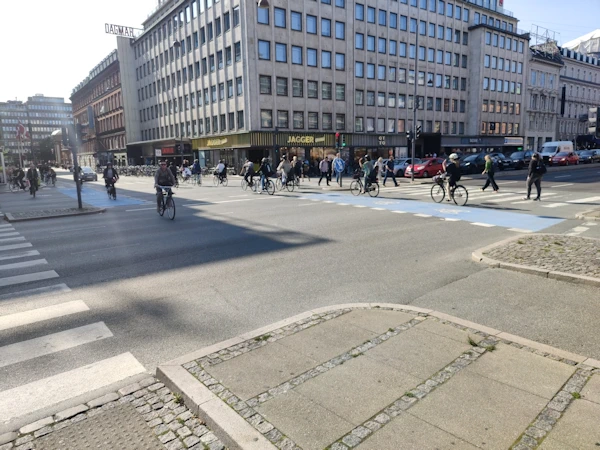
pixel 389 172
pixel 489 171
pixel 537 169
pixel 329 169
pixel 324 168
pixel 338 166
pixel 379 166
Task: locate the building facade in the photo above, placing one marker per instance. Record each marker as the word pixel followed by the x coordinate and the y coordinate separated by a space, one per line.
pixel 98 108
pixel 543 95
pixel 580 90
pixel 296 74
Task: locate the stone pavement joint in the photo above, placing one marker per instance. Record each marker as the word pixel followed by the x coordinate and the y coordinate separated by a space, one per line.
pixel 51 213
pixel 142 415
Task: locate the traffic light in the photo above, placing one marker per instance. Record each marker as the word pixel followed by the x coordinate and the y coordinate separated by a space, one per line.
pixel 337 140
pixel 343 140
pixel 409 135
pixel 593 121
pixel 419 128
pixel 65 137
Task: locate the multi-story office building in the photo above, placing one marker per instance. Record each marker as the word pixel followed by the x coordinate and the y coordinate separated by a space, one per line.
pixel 40 116
pixel 98 107
pixel 234 80
pixel 543 95
pixel 580 84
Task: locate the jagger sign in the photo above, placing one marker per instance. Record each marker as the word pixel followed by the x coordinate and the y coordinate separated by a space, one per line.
pixel 119 30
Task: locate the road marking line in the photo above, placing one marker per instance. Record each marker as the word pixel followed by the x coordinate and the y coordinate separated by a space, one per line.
pixel 20 255
pixel 520 197
pixel 343 204
pixel 41 314
pixel 562 176
pixel 584 200
pixel 500 183
pixel 328 201
pixel 553 205
pixel 37 291
pixel 590 224
pixel 399 212
pixel 451 219
pixel 422 215
pixel 580 229
pixel 6 225
pixel 378 209
pixel 77 229
pixel 519 230
pixel 562 185
pixel 140 209
pixel 15 246
pixel 19 279
pixel 49 391
pixel 8 233
pixel 20 265
pixel 479 224
pixel 52 343
pixel 306 204
pixel 359 206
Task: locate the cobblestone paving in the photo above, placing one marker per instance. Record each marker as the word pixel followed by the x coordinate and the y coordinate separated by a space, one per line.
pixel 570 254
pixel 167 420
pixel 35 214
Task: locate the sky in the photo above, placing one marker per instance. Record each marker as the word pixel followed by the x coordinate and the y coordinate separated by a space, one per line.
pixel 49 47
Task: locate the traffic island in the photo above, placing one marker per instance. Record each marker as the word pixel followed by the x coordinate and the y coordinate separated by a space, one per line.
pixel 24 216
pixel 593 215
pixel 568 258
pixel 385 376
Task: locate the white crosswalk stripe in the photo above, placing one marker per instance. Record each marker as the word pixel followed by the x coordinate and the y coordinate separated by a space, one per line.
pixel 26 278
pixel 24 254
pixel 14 246
pixel 41 314
pixel 21 265
pixel 13 239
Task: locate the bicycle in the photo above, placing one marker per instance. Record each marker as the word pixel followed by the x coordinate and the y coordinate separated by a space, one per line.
pixel 49 180
pixel 269 187
pixel 197 179
pixel 459 195
pixel 217 180
pixel 246 184
pixel 111 190
pixel 167 205
pixel 289 184
pixel 357 186
pixel 15 186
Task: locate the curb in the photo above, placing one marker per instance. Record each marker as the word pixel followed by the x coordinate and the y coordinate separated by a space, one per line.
pixel 9 217
pixel 477 256
pixel 236 432
pixel 584 216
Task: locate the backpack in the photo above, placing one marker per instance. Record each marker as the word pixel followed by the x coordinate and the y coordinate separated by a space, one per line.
pixel 541 168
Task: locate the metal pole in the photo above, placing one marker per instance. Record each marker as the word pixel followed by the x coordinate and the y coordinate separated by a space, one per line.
pixel 415 104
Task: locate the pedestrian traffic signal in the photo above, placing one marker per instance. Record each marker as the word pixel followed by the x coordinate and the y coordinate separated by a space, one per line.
pixel 338 140
pixel 418 133
pixel 409 135
pixel 343 140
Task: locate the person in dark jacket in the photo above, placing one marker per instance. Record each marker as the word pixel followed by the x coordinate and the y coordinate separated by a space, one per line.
pixel 534 176
pixel 265 172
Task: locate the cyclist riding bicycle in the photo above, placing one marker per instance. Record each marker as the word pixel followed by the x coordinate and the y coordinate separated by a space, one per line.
pixel 264 171
pixel 452 170
pixel 368 170
pixel 110 175
pixel 187 173
pixel 285 167
pixel 51 175
pixel 221 170
pixel 248 171
pixel 34 178
pixel 19 175
pixel 162 177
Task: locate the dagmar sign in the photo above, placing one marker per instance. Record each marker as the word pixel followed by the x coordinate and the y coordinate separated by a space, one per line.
pixel 119 30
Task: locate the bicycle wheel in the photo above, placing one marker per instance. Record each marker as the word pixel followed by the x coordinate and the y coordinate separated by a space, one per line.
pixel 438 193
pixel 170 208
pixel 289 186
pixel 161 210
pixel 355 187
pixel 374 189
pixel 225 181
pixel 278 184
pixel 244 185
pixel 215 180
pixel 199 180
pixel 270 187
pixel 14 187
pixel 460 196
pixel 114 193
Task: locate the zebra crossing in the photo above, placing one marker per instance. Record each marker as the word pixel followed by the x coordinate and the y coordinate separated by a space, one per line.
pixel 26 280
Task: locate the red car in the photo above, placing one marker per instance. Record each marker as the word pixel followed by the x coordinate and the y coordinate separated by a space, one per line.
pixel 564 159
pixel 428 167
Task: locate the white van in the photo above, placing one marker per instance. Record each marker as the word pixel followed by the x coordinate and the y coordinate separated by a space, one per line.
pixel 549 149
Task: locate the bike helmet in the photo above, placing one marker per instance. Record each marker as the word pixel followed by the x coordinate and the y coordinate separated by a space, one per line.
pixel 453 156
pixel 367 158
pixel 264 160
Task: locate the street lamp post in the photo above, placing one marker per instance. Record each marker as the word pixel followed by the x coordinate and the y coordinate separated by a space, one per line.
pixel 275 146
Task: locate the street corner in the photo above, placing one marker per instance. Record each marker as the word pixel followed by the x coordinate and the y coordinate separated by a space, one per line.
pixel 23 216
pixel 561 257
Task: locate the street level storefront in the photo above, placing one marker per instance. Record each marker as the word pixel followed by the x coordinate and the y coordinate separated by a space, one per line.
pixel 476 144
pixel 150 152
pixel 308 147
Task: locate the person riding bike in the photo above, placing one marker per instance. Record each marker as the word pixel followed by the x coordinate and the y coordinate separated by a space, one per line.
pixel 221 170
pixel 174 171
pixel 285 167
pixel 34 178
pixel 248 171
pixel 452 170
pixel 19 175
pixel 368 170
pixel 51 174
pixel 110 176
pixel 264 171
pixel 162 177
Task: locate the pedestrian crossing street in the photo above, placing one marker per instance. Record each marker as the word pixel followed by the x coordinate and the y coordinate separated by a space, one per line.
pixel 21 266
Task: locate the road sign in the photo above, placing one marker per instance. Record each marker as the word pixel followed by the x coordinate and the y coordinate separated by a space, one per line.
pixel 157 152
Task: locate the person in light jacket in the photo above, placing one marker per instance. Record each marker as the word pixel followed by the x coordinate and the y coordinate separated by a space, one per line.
pixel 324 168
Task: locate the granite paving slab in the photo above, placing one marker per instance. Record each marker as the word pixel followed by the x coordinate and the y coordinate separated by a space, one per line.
pixel 579 428
pixel 591 391
pixel 375 320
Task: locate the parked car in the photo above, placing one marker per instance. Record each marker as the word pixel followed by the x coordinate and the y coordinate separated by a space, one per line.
pixel 88 174
pixel 428 167
pixel 502 161
pixel 564 159
pixel 550 149
pixel 588 156
pixel 521 160
pixel 401 164
pixel 472 164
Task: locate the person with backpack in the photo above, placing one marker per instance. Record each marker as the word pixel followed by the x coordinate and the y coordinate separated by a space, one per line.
pixel 537 169
pixel 338 166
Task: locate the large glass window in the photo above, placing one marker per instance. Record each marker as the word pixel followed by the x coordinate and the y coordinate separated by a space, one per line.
pixel 359 41
pixel 279 17
pixel 403 23
pixel 381 45
pixel 340 30
pixel 282 86
pixel 281 52
pixel 382 17
pixel 298 120
pixel 325 59
pixel 340 92
pixel 371 43
pixel 326 91
pixel 311 57
pixel 340 61
pixel 359 69
pixel 313 89
pixel 296 21
pixel 370 14
pixel 359 11
pixel 311 24
pixel 263 15
pixel 325 27
pixel 264 51
pixel 297 88
pixel 266 118
pixel 296 54
pixel 393 20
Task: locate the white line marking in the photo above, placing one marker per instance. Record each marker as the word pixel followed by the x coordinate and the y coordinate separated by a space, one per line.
pixel 422 215
pixel 580 229
pixel 104 248
pixel 20 255
pixel 562 176
pixel 306 204
pixel 141 209
pixel 584 200
pixel 20 265
pixel 6 225
pixel 561 185
pixel 519 230
pixel 41 314
pixel 399 212
pixel 8 233
pixel 451 219
pixel 37 291
pixel 378 209
pixel 328 201
pixel 590 224
pixel 192 204
pixel 52 343
pixel 77 229
pixel 343 204
pixel 479 224
pixel 49 391
pixel 359 206
pixel 236 196
pixel 37 276
pixel 501 183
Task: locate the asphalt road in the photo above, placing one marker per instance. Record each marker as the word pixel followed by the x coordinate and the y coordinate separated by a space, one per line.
pixel 233 261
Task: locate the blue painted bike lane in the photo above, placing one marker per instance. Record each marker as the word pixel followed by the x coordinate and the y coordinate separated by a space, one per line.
pixel 99 198
pixel 446 210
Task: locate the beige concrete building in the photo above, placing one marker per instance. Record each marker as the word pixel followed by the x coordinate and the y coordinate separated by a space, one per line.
pixel 226 79
pixel 580 90
pixel 543 95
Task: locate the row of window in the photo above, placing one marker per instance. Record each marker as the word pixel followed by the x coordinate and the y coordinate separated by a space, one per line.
pixel 222 123
pixel 502 128
pixel 296 23
pixel 392 72
pixel 538 78
pixel 312 88
pixel 496 23
pixel 495 62
pixel 187 102
pixel 402 101
pixel 499 107
pixel 545 104
pixel 282 120
pixel 297 56
pixel 395 48
pixel 447 9
pixel 496 40
pixel 492 84
pixel 430 126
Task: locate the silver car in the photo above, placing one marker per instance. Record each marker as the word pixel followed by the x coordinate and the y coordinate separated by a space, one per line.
pixel 401 164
